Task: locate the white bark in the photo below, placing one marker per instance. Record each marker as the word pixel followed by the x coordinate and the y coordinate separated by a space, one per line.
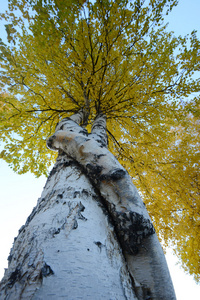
pixel 142 250
pixel 90 236
pixel 67 248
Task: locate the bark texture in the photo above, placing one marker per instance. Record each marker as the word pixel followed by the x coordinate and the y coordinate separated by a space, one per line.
pixel 133 226
pixel 68 248
pixel 90 235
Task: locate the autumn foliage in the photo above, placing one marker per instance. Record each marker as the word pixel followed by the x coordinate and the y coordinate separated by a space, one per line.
pixel 115 57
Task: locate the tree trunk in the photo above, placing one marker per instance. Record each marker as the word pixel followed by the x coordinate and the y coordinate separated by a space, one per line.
pixel 90 236
pixel 68 248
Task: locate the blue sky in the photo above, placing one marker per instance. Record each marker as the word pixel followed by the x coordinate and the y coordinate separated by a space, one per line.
pixel 19 193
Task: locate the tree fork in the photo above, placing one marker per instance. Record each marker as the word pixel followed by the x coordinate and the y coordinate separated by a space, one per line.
pixel 83 240
pixel 132 222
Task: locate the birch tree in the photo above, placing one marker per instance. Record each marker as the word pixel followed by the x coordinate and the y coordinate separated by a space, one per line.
pixel 131 263
pixel 115 58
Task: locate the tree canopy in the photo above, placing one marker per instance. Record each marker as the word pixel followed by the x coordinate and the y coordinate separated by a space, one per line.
pixel 114 57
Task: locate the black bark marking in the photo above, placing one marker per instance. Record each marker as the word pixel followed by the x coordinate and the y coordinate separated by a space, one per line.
pixel 22 229
pixel 67 163
pixel 81 206
pixel 35 210
pixel 147 293
pixel 46 271
pixel 85 193
pixel 76 193
pixel 50 142
pixel 78 215
pixel 75 225
pixel 94 171
pixel 33 213
pixel 56 231
pixel 60 196
pixel 132 228
pixel 81 217
pixel 15 276
pixel 84 132
pixel 99 245
pixel 9 258
pixel 101 143
pixel 53 171
pixel 26 256
pixel 67 119
pixel 114 176
pixel 141 290
pixel 99 155
pixel 81 209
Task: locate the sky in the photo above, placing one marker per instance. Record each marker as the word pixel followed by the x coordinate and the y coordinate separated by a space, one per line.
pixel 19 193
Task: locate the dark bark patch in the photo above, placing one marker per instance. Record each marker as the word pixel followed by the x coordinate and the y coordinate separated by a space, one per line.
pixel 97 156
pixel 101 143
pixel 22 229
pixel 15 276
pixel 26 256
pixel 132 228
pixel 141 290
pixel 46 271
pixel 118 174
pixel 53 171
pixel 65 164
pixel 57 231
pixel 75 225
pixel 54 231
pixel 76 193
pixel 31 216
pixel 60 196
pixel 9 258
pixel 81 209
pixel 114 176
pixel 84 132
pixel 81 217
pixel 66 119
pixel 99 245
pixel 35 211
pixel 69 163
pixel 147 293
pixel 50 142
pixel 85 193
pixel 94 170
